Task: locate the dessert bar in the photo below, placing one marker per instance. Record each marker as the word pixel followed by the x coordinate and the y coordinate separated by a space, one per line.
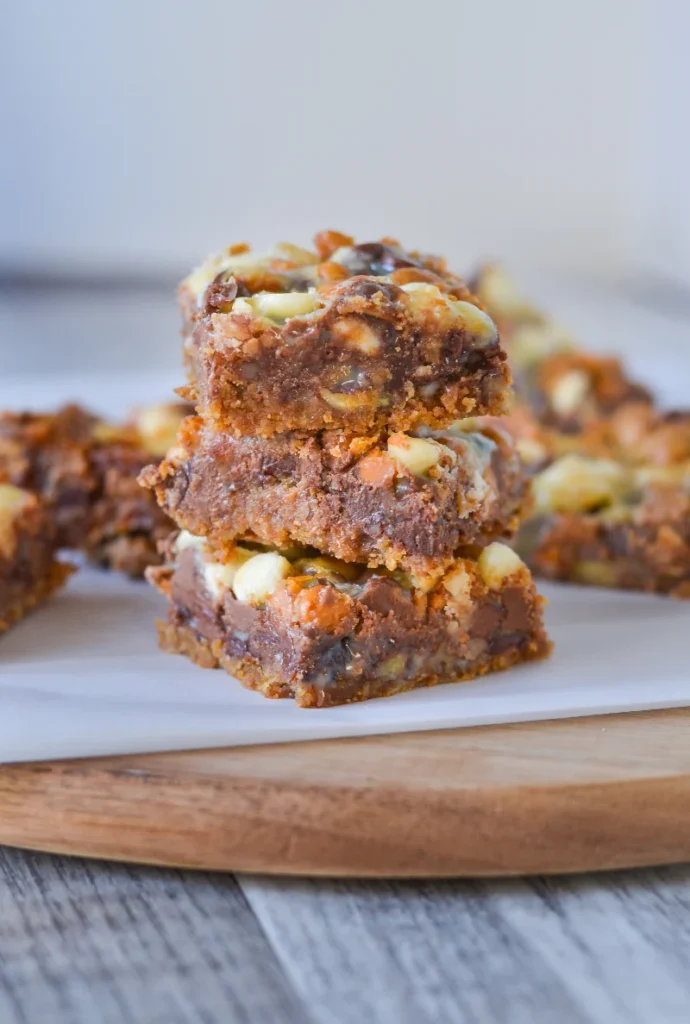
pixel 29 570
pixel 405 501
pixel 85 470
pixel 329 632
pixel 368 339
pixel 601 522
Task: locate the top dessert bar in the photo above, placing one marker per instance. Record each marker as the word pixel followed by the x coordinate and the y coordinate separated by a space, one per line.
pixel 566 387
pixel 363 338
pixel 85 470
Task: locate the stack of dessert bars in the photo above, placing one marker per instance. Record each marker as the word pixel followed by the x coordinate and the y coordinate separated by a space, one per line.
pixel 341 506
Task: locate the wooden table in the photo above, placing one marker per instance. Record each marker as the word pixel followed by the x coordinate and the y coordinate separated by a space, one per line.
pixel 94 943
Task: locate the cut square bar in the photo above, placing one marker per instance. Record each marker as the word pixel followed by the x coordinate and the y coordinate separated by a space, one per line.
pixel 406 501
pixel 326 632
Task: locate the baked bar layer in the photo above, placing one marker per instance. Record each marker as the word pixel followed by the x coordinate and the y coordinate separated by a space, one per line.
pixel 86 471
pixel 327 632
pixel 391 347
pixel 408 501
pixel 29 570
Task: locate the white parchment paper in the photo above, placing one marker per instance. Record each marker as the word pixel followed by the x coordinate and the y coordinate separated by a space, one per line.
pixel 83 676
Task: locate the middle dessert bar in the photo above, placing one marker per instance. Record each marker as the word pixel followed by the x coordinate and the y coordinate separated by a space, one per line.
pixel 406 501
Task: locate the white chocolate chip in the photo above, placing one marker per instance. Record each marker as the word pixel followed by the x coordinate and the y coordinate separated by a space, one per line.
pixel 243 306
pixel 244 263
pixel 295 254
pixel 458 583
pixel 260 577
pixel 158 426
pixel 575 484
pixel 422 288
pixel 569 392
pixel 502 296
pixel 415 453
pixel 12 501
pixel 530 451
pixel 199 280
pixel 357 334
pixel 281 306
pixel 13 498
pixel 497 563
pixel 476 322
pixel 531 343
pixel 185 540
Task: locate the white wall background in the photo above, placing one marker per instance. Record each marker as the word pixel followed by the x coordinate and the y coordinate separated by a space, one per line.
pixel 143 133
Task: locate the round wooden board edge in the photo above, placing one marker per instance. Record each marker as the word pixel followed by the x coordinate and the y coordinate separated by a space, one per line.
pixel 207 810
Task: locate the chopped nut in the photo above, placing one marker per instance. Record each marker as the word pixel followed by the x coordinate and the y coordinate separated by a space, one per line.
pixel 328 242
pixel 569 392
pixel 393 666
pixel 575 484
pixel 356 333
pixel 324 565
pixel 260 577
pixel 497 563
pixel 458 583
pixel 415 453
pixel 348 403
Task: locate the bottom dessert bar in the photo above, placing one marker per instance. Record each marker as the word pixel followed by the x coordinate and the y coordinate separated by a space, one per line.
pixel 327 632
pixel 29 570
pixel 86 471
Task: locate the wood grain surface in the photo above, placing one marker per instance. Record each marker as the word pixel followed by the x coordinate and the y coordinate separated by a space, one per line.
pixel 587 794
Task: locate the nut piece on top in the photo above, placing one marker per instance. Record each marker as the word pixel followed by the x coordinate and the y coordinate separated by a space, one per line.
pixel 29 569
pixel 356 337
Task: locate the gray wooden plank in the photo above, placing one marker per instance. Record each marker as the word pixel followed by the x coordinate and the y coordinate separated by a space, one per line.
pixel 91 943
pixel 609 950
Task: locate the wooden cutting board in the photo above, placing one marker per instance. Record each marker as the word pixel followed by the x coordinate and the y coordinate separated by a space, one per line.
pixel 587 794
